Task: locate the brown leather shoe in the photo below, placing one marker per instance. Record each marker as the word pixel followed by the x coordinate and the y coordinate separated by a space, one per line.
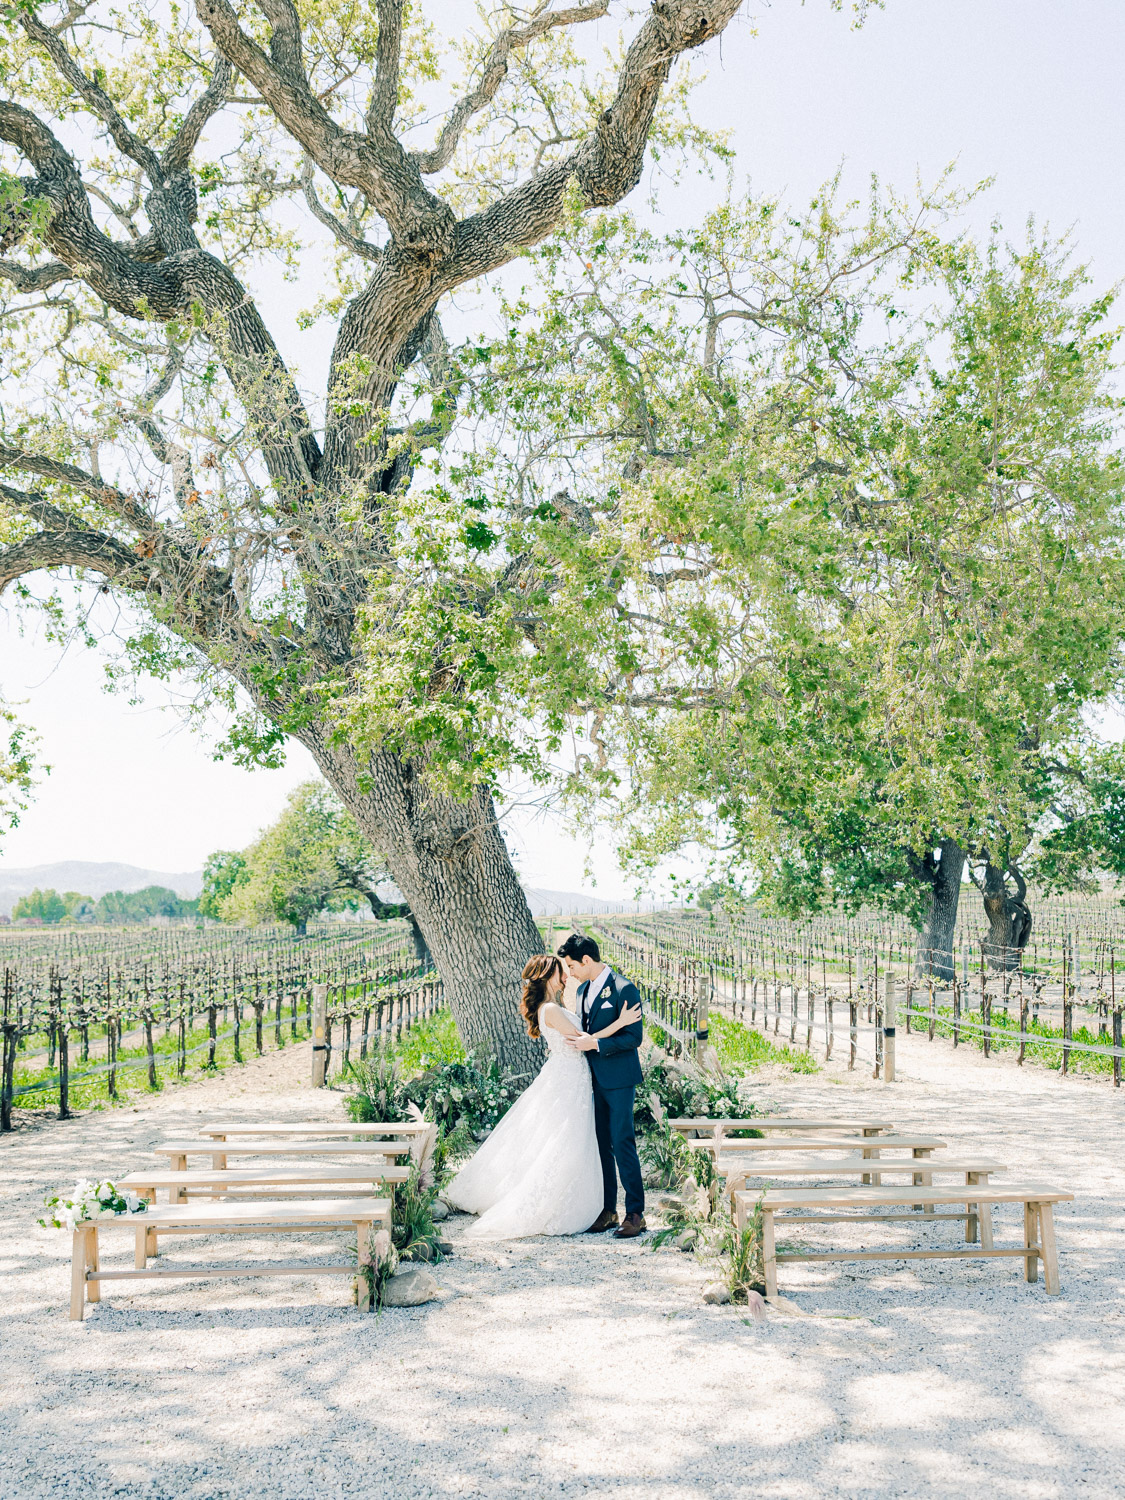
pixel 605 1220
pixel 634 1224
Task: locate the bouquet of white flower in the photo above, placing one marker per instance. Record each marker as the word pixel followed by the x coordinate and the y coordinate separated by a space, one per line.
pixel 90 1201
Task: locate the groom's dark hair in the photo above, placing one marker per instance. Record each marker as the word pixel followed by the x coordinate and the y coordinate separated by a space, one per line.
pixel 579 947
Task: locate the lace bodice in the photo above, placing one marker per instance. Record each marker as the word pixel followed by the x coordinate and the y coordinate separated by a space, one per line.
pixel 556 1040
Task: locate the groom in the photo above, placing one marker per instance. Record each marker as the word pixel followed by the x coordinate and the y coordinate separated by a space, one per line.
pixel 616 1071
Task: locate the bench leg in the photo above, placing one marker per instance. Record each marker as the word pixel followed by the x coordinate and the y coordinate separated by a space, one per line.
pixel 363 1259
pixel 984 1219
pixel 971 1219
pixel 140 1258
pixel 219 1163
pixel 78 1275
pixel 150 1242
pixel 739 1216
pixel 93 1263
pixel 1031 1237
pixel 1047 1245
pixel 769 1252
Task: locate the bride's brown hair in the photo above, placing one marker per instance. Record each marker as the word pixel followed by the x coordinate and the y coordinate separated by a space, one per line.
pixel 537 974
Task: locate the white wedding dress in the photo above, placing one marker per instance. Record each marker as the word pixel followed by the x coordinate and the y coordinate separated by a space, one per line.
pixel 539 1171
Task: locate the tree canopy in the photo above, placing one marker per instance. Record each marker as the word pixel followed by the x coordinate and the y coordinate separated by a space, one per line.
pixel 159 167
pixel 813 526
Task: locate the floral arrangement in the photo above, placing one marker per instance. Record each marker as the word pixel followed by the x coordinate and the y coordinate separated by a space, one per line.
pixel 89 1202
pixel 474 1091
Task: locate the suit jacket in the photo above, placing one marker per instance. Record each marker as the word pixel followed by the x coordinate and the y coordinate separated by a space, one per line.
pixel 615 1064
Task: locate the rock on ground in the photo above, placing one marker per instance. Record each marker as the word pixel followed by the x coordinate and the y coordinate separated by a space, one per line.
pixel 410 1286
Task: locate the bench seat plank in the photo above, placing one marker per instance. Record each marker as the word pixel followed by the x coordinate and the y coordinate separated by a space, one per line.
pixel 843 1196
pixel 210 1214
pixel 181 1185
pixel 856 1125
pixel 179 1151
pixel 404 1129
pixel 865 1145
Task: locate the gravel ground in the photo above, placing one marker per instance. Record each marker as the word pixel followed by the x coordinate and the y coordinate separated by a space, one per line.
pixel 579 1367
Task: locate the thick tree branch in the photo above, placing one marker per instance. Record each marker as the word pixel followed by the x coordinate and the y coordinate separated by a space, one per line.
pixel 70 546
pixel 35 278
pixel 388 57
pixel 381 169
pixel 121 505
pixel 176 156
pixel 493 72
pixel 609 162
pixel 96 100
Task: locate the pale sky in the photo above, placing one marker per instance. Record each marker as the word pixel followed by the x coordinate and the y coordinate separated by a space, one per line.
pixel 1027 91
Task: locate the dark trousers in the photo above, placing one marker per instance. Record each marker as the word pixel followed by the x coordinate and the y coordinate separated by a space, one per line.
pixel 617 1146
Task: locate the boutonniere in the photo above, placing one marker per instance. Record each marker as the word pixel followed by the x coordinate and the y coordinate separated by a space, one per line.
pixel 604 994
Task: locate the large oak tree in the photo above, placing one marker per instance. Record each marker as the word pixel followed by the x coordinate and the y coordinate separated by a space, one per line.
pixel 156 440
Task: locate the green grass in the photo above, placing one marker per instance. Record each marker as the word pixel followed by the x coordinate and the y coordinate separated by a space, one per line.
pixel 1048 1051
pixel 741 1048
pixel 93 1093
pixel 430 1044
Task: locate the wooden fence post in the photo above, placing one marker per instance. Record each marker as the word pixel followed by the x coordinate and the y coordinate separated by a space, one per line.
pixel 320 1052
pixel 702 1012
pixel 889 1005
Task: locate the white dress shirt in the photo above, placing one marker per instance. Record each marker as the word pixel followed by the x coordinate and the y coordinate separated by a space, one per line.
pixel 594 989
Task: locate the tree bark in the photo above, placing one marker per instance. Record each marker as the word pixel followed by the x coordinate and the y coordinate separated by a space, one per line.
pixel 1009 917
pixel 943 874
pixel 450 862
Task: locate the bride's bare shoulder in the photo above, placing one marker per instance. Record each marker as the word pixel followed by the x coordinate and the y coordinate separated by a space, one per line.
pixel 557 1017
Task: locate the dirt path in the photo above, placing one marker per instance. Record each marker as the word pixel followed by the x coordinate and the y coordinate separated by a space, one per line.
pixel 578 1367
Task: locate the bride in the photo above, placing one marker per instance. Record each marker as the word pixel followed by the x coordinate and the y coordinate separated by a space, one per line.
pixel 539 1171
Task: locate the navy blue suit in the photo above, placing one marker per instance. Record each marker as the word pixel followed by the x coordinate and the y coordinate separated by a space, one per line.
pixel 616 1070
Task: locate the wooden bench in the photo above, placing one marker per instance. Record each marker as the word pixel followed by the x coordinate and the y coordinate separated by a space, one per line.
pixel 738 1170
pixel 332 1214
pixel 857 1203
pixel 278 1181
pixel 859 1125
pixel 179 1151
pixel 403 1130
pixel 861 1145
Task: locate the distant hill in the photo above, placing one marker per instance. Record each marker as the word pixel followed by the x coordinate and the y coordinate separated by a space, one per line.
pixel 94 879
pixel 91 879
pixel 563 903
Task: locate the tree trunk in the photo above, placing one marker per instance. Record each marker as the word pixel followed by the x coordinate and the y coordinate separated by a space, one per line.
pixel 1009 918
pixel 943 873
pixel 421 947
pixel 450 862
pixel 301 928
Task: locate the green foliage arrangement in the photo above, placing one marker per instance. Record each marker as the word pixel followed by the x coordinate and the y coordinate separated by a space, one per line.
pixel 683 1096
pixel 745 1266
pixel 466 1091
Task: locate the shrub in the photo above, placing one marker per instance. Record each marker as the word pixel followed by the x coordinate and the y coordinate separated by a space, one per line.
pixel 413 1231
pixel 377 1091
pixel 682 1096
pixel 745 1267
pixel 474 1091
